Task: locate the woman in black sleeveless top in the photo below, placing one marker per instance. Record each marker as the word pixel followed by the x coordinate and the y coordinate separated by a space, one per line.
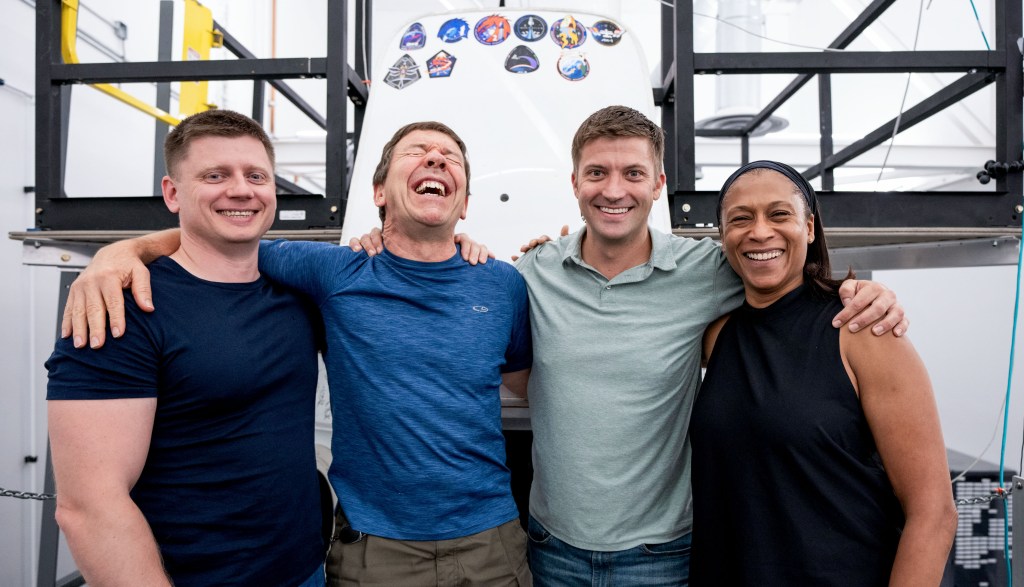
pixel 817 453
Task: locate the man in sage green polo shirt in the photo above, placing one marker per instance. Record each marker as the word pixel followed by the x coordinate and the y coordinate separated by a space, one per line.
pixel 618 312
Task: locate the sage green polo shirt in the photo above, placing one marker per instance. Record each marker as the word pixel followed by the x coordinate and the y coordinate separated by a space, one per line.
pixel 616 367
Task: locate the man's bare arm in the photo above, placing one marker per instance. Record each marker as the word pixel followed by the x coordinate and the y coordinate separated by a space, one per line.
pixel 516 382
pixel 97 293
pixel 99 448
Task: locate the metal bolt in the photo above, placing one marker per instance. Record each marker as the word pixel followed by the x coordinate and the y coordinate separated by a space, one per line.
pixel 1018 208
pixel 39 210
pixel 65 257
pixel 334 209
pixel 686 207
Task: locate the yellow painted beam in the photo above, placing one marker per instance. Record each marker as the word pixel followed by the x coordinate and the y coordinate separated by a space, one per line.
pixel 197 41
pixel 68 50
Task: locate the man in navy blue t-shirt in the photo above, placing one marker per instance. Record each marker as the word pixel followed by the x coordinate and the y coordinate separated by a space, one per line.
pixel 183 451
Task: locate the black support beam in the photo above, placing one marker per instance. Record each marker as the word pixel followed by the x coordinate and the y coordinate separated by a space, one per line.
pixel 50 110
pixel 157 71
pixel 868 16
pixel 338 82
pixel 878 210
pixel 677 114
pixel 165 45
pixel 148 213
pixel 859 62
pixel 1009 94
pixel 825 145
pixel 951 94
pixel 239 50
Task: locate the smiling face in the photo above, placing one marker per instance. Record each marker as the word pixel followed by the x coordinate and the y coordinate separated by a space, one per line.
pixel 766 228
pixel 616 183
pixel 223 191
pixel 425 187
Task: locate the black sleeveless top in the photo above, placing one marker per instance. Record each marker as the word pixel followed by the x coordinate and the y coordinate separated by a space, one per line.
pixel 788 487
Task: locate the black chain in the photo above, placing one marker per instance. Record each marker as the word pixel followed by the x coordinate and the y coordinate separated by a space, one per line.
pixel 27 495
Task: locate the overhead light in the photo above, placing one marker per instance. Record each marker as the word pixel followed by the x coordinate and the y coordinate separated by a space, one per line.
pixel 737 96
pixel 725 120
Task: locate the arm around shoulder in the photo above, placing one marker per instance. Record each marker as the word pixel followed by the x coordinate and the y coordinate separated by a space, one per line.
pixel 97 294
pixel 313 268
pixel 869 303
pixel 898 402
pixel 158 244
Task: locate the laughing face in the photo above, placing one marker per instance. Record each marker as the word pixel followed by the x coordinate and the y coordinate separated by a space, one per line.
pixel 223 191
pixel 425 188
pixel 616 183
pixel 766 228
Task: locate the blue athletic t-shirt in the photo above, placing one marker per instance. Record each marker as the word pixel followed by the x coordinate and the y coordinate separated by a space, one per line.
pixel 415 353
pixel 230 484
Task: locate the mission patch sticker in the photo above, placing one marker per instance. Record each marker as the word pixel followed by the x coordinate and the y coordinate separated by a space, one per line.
pixel 522 60
pixel 414 38
pixel 441 64
pixel 492 29
pixel 573 66
pixel 606 32
pixel 568 33
pixel 453 31
pixel 531 28
pixel 403 73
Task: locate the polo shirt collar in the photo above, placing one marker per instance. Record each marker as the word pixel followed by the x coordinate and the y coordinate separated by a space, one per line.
pixel 661 249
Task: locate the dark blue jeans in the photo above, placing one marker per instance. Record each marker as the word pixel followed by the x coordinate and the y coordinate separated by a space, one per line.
pixel 557 564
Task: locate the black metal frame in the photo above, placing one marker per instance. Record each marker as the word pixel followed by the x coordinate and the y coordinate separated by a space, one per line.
pixel 55 211
pixel 689 207
pixel 980 209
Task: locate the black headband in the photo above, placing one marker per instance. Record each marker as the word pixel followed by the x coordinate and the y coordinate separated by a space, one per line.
pixel 792 174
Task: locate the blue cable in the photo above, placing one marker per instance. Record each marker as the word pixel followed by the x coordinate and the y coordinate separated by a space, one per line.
pixel 983 37
pixel 1006 418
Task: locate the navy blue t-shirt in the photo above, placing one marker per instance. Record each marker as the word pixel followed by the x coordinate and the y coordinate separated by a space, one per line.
pixel 230 485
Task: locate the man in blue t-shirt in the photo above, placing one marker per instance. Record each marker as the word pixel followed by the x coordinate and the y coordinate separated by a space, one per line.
pixel 419 342
pixel 183 451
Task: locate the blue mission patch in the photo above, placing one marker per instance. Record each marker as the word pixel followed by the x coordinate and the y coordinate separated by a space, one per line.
pixel 573 66
pixel 414 38
pixel 453 31
pixel 530 28
pixel 607 32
